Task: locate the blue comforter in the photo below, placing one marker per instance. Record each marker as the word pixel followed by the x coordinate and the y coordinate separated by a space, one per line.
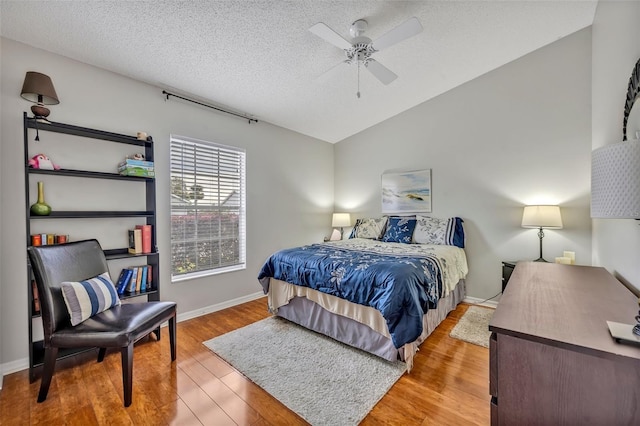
pixel 401 287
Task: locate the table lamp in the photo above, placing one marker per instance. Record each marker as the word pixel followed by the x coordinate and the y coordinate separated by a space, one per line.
pixel 38 88
pixel 340 220
pixel 541 217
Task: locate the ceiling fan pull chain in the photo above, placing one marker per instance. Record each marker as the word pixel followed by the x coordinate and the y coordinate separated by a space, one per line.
pixel 358 94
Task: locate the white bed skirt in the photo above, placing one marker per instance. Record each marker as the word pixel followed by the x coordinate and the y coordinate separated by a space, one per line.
pixel 356 325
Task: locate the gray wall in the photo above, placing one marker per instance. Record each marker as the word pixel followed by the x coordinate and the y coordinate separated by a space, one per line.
pixel 518 135
pixel 616 49
pixel 289 179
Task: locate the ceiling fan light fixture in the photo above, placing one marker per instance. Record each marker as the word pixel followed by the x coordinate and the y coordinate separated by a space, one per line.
pixel 358 27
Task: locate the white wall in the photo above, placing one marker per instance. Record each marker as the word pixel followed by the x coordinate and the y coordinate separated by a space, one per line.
pixel 518 135
pixel 616 49
pixel 1 239
pixel 289 178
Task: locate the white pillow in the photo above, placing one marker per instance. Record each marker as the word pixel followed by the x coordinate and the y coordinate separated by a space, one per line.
pixel 430 230
pixel 370 228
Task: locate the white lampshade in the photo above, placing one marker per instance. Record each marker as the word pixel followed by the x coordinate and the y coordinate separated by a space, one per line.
pixel 542 217
pixel 615 181
pixel 341 219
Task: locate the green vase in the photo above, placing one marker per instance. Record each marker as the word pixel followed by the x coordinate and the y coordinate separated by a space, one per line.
pixel 40 208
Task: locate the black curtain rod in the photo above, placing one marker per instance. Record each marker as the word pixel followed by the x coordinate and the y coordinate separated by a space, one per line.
pixel 167 94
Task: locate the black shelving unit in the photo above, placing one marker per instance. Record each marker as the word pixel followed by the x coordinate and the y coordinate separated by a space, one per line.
pixel 36 349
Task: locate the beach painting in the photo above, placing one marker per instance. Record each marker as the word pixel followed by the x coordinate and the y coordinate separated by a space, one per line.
pixel 406 192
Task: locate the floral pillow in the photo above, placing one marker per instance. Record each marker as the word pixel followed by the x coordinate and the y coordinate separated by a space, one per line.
pixel 370 228
pixel 399 230
pixel 431 230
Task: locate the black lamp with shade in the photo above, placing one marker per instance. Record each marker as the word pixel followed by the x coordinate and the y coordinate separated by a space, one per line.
pixel 541 217
pixel 38 88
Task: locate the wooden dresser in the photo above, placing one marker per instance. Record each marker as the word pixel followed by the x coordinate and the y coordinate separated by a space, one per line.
pixel 552 358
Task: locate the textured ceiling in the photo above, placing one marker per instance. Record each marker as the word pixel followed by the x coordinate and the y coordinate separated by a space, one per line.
pixel 258 57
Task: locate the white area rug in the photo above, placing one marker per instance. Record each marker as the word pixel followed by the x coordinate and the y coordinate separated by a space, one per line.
pixel 473 327
pixel 324 381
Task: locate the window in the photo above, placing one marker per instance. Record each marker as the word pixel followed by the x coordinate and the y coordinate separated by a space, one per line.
pixel 207 208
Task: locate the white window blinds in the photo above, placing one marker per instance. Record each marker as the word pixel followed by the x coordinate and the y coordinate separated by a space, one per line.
pixel 207 208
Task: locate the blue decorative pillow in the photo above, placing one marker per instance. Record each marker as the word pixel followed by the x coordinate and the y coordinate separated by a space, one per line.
pixel 431 230
pixel 399 230
pixel 86 298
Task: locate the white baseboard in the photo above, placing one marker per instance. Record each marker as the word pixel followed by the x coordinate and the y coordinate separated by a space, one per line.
pixel 219 306
pixel 14 366
pixel 481 302
pixel 23 363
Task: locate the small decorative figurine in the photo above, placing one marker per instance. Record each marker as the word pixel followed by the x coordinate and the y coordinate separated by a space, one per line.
pixel 41 161
pixel 137 156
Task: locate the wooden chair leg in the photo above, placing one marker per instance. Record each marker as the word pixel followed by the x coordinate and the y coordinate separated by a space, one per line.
pixel 101 353
pixel 172 337
pixel 50 355
pixel 157 333
pixel 127 373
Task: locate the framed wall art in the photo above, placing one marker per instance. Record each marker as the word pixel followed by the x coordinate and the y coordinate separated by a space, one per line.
pixel 406 192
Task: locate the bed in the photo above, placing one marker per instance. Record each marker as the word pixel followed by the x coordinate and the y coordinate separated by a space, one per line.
pixel 384 295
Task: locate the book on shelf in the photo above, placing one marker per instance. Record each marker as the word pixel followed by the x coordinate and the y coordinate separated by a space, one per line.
pixel 149 277
pixel 134 162
pixel 123 280
pixel 139 278
pixel 146 237
pixel 48 239
pixel 135 241
pixel 143 281
pixel 134 279
pixel 131 288
pixel 141 168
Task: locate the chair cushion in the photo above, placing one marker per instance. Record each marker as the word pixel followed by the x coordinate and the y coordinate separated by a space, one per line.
pixel 89 297
pixel 115 327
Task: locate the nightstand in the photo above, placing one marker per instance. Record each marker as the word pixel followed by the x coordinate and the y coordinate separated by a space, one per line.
pixel 507 270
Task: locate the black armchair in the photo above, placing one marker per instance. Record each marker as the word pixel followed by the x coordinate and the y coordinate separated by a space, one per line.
pixel 118 327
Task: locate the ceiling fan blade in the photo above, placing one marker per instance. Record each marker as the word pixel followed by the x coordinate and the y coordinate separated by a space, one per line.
pixel 326 33
pixel 379 71
pixel 407 29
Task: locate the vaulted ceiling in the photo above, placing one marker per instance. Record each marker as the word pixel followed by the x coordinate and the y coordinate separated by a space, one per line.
pixel 259 57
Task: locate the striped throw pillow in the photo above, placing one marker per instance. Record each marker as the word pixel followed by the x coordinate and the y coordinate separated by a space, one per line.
pixel 86 298
pixel 431 230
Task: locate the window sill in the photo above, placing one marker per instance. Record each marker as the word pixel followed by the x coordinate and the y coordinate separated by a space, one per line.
pixel 202 274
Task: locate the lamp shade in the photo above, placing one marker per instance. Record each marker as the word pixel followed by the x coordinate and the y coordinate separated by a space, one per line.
pixel 615 181
pixel 542 217
pixel 38 87
pixel 341 219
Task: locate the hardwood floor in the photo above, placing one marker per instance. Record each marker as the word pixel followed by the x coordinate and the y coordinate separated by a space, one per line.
pixel 449 384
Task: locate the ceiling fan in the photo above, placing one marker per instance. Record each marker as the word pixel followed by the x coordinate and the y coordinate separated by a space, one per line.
pixel 360 49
